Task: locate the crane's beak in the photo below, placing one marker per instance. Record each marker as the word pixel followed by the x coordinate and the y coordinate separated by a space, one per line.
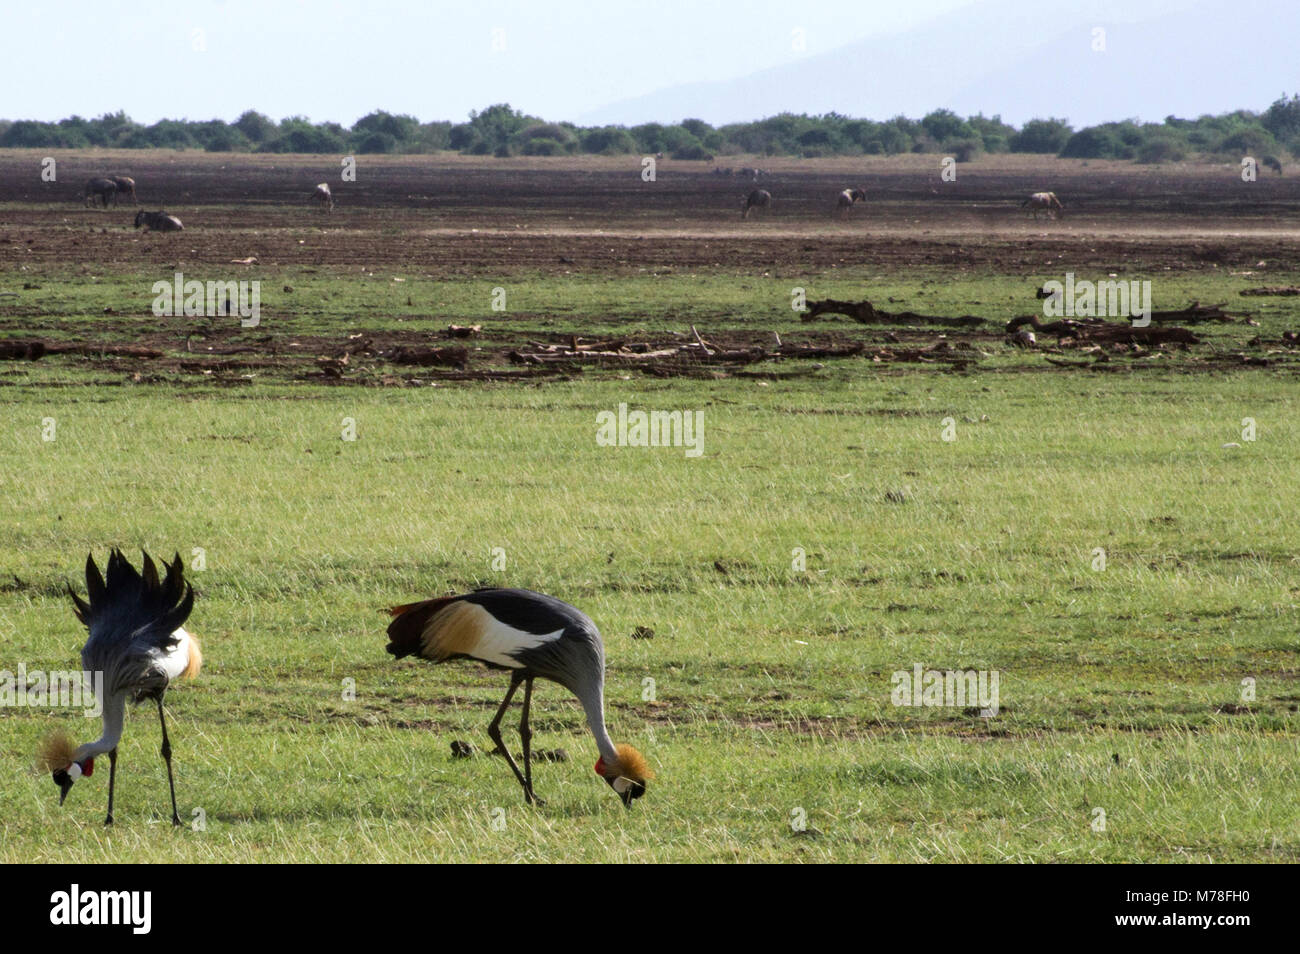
pixel 64 781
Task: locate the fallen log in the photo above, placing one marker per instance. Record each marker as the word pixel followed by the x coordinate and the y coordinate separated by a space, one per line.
pixel 1270 290
pixel 866 313
pixel 1193 314
pixel 35 350
pixel 1095 331
pixel 22 350
pixel 430 357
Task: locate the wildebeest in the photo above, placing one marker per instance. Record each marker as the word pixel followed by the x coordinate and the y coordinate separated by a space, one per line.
pixel 158 222
pixel 104 188
pixel 1272 162
pixel 1044 202
pixel 125 186
pixel 846 199
pixel 323 195
pixel 758 199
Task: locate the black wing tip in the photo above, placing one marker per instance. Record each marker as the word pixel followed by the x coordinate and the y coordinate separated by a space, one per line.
pixel 138 593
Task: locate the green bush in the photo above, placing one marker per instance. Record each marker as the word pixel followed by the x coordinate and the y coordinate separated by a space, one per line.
pixel 542 146
pixel 607 140
pixel 255 127
pixel 964 150
pixel 463 137
pixel 1248 141
pixel 1095 142
pixel 375 142
pixel 226 139
pixel 398 129
pixel 503 131
pixel 1282 119
pixel 1161 149
pixel 553 131
pixel 692 151
pixel 1042 136
pixel 943 125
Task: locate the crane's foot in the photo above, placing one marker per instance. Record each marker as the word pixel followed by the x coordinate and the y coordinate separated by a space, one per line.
pixel 532 799
pixel 108 821
pixel 176 821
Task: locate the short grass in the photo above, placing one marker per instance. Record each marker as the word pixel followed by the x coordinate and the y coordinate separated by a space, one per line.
pixel 763 697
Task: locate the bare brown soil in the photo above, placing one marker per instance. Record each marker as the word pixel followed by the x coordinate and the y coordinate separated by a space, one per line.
pixel 457 215
pixel 451 217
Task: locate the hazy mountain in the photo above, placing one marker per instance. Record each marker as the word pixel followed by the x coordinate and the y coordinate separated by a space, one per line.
pixel 1021 59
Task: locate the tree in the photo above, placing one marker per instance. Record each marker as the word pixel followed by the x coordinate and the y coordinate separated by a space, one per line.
pixel 1041 135
pixel 1282 119
pixel 255 127
pixel 400 129
pixel 1095 142
pixel 943 124
pixel 497 124
pixel 607 140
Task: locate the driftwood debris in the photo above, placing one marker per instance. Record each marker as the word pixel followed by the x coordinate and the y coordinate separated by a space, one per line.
pixel 1096 331
pixel 463 331
pixel 1193 314
pixel 1270 290
pixel 702 358
pixel 866 313
pixel 35 350
pixel 430 357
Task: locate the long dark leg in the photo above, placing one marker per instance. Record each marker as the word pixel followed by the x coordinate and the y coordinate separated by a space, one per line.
pixel 526 736
pixel 167 757
pixel 494 731
pixel 112 777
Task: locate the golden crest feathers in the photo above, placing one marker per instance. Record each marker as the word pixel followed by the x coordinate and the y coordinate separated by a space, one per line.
pixel 632 764
pixel 55 751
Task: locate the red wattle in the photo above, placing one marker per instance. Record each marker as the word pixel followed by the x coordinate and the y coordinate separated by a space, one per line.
pixel 600 767
pixel 88 768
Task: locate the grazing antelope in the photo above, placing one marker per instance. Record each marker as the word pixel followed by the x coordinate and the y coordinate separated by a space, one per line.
pixel 137 647
pixel 1272 162
pixel 323 195
pixel 105 189
pixel 158 222
pixel 1044 202
pixel 533 636
pixel 844 203
pixel 758 199
pixel 125 186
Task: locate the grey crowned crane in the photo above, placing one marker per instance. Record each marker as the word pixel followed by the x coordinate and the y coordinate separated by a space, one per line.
pixel 137 643
pixel 533 636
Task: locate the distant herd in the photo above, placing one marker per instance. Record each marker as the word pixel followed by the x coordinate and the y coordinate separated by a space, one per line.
pixel 105 190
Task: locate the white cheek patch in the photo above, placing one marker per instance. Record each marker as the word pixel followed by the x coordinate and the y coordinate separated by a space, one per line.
pixel 622 784
pixel 74 771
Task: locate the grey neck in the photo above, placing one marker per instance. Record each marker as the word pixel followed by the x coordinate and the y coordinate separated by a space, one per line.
pixel 114 716
pixel 593 703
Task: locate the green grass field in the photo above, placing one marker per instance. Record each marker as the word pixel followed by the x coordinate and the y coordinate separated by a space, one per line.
pixel 1113 539
pixel 764 696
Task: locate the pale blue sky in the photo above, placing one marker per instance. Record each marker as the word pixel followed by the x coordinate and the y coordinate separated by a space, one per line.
pixel 339 59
